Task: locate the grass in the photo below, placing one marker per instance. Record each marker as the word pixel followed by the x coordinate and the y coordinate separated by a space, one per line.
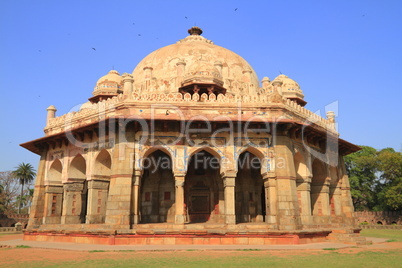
pixel 392 234
pixel 390 258
pixel 22 246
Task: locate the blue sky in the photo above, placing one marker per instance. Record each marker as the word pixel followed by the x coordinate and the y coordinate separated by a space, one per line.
pixel 348 52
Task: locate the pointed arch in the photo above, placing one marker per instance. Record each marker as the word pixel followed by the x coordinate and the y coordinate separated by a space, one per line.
pixel 257 153
pixel 214 152
pixel 103 163
pixel 78 168
pixel 55 171
pixel 150 151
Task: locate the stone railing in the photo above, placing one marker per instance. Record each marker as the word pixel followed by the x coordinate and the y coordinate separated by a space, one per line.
pixel 8 229
pixel 106 108
pixel 382 227
pixel 379 218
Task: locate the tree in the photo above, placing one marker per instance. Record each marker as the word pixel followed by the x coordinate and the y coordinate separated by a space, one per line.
pixel 390 185
pixel 8 193
pixel 375 179
pixel 25 173
pixel 361 168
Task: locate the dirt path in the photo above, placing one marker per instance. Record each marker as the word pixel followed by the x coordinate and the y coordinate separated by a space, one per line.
pixel 19 256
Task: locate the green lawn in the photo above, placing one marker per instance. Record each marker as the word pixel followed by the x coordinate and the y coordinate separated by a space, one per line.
pixel 391 258
pixel 318 258
pixel 388 234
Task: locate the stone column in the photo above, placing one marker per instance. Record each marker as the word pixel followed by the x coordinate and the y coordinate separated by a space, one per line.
pixel 303 191
pixel 326 209
pixel 271 200
pixel 72 203
pixel 179 202
pixel 118 209
pixel 135 198
pixel 288 206
pixel 51 113
pixel 38 201
pixel 337 202
pixel 229 179
pixel 53 204
pixel 97 200
pixel 128 84
pixel 346 198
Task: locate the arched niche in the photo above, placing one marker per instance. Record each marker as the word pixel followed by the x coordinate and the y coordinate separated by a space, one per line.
pixel 54 173
pixel 103 164
pixel 78 168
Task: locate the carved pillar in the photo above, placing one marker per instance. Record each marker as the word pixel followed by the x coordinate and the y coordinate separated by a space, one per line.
pixel 288 206
pixel 38 201
pixel 97 200
pixel 72 203
pixel 229 192
pixel 128 84
pixel 53 204
pixel 336 201
pixel 118 209
pixel 135 198
pixel 346 198
pixel 326 210
pixel 271 200
pixel 179 202
pixel 303 192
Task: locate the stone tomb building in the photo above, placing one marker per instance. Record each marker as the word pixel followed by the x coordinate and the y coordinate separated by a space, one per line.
pixel 190 148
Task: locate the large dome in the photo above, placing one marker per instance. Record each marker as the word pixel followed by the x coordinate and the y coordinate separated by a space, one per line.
pixel 165 68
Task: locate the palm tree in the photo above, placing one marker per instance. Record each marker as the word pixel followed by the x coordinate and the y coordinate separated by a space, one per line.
pixel 25 173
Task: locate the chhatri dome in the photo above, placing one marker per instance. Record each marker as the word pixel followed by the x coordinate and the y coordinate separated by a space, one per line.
pixel 195 55
pixel 195 65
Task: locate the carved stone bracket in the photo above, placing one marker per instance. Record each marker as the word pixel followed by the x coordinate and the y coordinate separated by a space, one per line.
pixel 73 187
pixel 101 185
pixel 53 189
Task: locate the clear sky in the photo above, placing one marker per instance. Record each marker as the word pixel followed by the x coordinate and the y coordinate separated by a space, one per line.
pixel 349 52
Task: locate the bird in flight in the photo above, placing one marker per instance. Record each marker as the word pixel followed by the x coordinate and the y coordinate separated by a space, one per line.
pixel 185 17
pixel 235 9
pixel 94 48
pixel 139 34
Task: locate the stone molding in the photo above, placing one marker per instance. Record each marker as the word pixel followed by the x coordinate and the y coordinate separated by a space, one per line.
pixel 100 185
pixel 73 187
pixel 54 189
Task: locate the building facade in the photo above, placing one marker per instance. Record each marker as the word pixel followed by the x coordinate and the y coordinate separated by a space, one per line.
pixel 191 137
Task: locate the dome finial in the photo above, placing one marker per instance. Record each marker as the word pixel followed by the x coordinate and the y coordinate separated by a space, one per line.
pixel 195 30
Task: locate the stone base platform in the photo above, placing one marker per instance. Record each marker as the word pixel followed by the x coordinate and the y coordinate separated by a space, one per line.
pixel 172 234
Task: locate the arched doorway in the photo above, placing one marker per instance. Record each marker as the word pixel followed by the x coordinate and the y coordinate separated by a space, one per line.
pixel 157 189
pixel 203 188
pixel 250 193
